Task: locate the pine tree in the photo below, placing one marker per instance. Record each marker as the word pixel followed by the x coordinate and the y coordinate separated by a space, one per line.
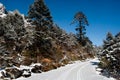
pixel 81 19
pixel 110 61
pixel 109 40
pixel 40 14
pixel 109 36
pixel 42 19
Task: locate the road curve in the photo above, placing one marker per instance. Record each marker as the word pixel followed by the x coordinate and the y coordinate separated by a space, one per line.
pixel 76 71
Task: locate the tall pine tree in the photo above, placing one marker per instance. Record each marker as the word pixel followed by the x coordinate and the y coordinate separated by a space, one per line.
pixel 81 19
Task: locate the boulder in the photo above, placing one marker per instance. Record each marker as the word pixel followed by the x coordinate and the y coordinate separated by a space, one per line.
pixel 36 69
pixel 3 75
pixel 26 73
pixel 13 73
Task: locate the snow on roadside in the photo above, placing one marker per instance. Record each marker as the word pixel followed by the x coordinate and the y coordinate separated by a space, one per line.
pixel 28 67
pixel 76 71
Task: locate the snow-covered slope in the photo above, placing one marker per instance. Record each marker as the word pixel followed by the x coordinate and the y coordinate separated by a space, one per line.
pixel 76 71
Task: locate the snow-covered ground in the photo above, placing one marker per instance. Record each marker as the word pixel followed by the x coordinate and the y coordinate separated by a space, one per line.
pixel 76 71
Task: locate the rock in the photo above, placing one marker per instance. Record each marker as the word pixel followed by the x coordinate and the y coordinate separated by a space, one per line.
pixel 26 73
pixel 36 69
pixel 13 73
pixel 3 74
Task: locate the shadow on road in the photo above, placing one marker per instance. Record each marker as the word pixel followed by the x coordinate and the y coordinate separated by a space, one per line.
pixel 94 63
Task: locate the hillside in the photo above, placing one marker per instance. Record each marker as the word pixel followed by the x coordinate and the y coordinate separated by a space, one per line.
pixel 25 41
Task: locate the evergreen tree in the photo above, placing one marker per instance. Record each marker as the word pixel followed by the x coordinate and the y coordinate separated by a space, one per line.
pixel 109 40
pixel 117 35
pixel 109 36
pixel 81 19
pixel 40 14
pixel 42 19
pixel 109 60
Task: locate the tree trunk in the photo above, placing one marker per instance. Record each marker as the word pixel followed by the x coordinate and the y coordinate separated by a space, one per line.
pixel 38 56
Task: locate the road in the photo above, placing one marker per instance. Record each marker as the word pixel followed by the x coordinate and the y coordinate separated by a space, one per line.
pixel 76 71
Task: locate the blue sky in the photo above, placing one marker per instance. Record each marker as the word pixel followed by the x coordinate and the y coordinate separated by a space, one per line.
pixel 103 15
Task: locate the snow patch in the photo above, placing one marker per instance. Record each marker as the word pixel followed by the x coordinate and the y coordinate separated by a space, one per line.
pixel 38 64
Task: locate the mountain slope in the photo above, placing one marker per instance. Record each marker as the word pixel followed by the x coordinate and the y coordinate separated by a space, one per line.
pixel 30 43
pixel 76 71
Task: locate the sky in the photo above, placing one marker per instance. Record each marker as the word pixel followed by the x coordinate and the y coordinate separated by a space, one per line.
pixel 103 15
